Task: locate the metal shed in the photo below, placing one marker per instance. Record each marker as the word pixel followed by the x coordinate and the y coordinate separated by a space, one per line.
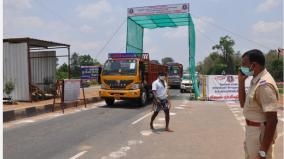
pixel 28 63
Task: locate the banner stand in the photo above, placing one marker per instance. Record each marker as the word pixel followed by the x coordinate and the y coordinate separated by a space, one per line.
pixel 61 87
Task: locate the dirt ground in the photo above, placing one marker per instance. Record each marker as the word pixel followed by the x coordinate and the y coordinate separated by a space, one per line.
pixel 89 92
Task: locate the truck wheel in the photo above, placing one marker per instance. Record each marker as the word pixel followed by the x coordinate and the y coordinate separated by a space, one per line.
pixel 109 101
pixel 143 98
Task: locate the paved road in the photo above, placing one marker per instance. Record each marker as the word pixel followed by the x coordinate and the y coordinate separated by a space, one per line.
pixel 203 130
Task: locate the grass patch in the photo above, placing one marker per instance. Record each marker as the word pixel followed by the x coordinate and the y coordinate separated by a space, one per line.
pixel 281 90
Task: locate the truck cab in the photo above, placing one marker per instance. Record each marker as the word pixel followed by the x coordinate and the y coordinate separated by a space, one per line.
pixel 175 71
pixel 126 76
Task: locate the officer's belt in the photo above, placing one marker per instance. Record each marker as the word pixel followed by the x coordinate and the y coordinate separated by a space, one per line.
pixel 252 123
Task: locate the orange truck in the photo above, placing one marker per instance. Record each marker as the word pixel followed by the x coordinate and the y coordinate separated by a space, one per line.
pixel 128 76
pixel 175 72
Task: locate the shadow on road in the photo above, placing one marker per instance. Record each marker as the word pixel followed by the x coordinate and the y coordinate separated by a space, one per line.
pixel 180 96
pixel 127 105
pixel 158 130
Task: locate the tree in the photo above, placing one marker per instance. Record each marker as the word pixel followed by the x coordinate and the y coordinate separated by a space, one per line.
pixel 199 68
pixel 155 61
pixel 75 65
pixel 86 60
pixel 167 60
pixel 62 72
pixel 213 64
pixel 274 65
pixel 277 70
pixel 237 62
pixel 225 46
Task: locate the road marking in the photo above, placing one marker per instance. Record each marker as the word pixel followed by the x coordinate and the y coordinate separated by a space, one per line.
pixel 173 113
pixel 179 107
pixel 134 142
pixel 25 121
pixel 146 132
pixel 282 119
pixel 182 105
pixel 56 115
pixel 236 111
pixel 240 118
pixel 122 152
pixel 136 121
pixel 161 119
pixel 234 108
pixel 78 155
pixel 280 135
pixel 158 125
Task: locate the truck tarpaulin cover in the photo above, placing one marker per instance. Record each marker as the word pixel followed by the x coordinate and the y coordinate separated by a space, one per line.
pixel 220 87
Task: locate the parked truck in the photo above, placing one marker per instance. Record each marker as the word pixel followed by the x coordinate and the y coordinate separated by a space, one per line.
pixel 175 71
pixel 128 76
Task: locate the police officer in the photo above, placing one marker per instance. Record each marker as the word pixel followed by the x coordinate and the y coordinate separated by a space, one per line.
pixel 259 106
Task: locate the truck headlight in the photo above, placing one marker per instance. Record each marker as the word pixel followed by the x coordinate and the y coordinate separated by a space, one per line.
pixel 135 86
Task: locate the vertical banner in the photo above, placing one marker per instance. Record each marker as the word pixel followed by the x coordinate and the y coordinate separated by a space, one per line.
pixel 224 87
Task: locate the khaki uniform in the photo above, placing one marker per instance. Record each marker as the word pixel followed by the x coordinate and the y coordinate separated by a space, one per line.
pixel 261 97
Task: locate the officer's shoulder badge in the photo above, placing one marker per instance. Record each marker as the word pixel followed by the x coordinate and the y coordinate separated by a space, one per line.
pixel 262 82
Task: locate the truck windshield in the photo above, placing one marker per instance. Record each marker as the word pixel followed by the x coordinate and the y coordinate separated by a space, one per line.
pixel 186 77
pixel 120 67
pixel 173 70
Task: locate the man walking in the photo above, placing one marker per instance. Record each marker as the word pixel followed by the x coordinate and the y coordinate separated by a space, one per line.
pixel 259 106
pixel 161 101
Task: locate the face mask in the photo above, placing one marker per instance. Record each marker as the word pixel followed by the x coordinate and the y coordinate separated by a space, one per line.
pixel 162 77
pixel 246 71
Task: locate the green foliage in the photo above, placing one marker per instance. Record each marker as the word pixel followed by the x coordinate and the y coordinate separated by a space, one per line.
pixel 217 69
pixel 75 62
pixel 236 62
pixel 62 72
pixel 75 65
pixel 281 91
pixel 166 60
pixel 86 60
pixel 224 58
pixel 212 65
pixel 225 47
pixel 276 69
pixel 155 61
pixel 9 87
pixel 274 65
pixel 94 82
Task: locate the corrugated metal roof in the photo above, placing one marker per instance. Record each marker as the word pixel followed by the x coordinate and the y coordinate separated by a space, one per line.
pixel 33 43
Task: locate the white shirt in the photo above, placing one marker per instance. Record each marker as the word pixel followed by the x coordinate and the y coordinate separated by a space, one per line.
pixel 160 89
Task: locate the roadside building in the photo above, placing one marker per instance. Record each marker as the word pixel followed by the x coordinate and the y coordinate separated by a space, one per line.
pixel 31 65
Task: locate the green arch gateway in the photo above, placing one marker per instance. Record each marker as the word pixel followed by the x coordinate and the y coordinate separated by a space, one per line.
pixel 152 17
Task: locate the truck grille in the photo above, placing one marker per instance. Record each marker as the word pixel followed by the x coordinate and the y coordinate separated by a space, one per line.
pixel 118 84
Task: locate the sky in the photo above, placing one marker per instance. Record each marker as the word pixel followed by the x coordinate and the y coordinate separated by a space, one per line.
pixel 88 25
